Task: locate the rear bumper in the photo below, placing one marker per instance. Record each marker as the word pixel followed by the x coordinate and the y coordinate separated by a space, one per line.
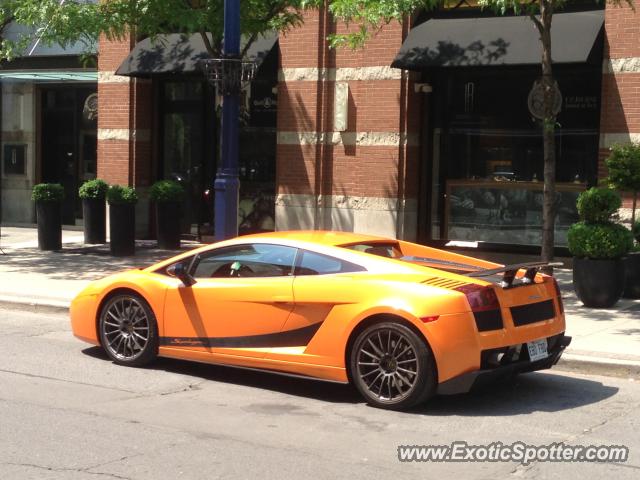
pixel 465 382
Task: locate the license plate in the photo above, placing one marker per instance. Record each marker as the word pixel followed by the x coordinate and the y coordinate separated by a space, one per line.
pixel 537 349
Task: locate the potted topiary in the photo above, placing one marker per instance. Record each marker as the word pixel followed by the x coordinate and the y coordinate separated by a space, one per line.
pixel 93 194
pixel 598 245
pixel 48 198
pixel 624 174
pixel 167 196
pixel 122 219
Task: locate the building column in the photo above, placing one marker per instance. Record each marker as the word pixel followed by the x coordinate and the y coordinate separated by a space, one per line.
pixel 124 126
pixel 361 176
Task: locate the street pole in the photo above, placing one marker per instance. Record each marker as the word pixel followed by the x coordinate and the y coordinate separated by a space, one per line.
pixel 227 183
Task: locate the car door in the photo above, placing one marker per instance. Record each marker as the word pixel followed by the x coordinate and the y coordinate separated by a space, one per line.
pixel 321 282
pixel 241 300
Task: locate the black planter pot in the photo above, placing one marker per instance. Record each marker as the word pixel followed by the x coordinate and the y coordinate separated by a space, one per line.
pixel 598 283
pixel 168 221
pixel 122 229
pixel 94 215
pixel 49 215
pixel 632 280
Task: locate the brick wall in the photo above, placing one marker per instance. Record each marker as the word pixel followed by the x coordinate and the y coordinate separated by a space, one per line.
pixel 620 114
pixel 125 117
pixel 374 162
pixel 124 120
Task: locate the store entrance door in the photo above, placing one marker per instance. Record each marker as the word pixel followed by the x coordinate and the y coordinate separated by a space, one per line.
pixel 187 146
pixel 68 142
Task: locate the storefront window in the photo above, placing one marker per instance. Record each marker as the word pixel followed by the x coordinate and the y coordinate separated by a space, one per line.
pixel 487 169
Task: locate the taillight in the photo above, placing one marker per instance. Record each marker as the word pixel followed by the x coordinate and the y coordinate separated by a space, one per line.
pixel 484 305
pixel 480 298
pixel 558 295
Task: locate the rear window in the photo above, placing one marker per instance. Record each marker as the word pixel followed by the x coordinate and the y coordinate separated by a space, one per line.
pixel 311 263
pixel 392 250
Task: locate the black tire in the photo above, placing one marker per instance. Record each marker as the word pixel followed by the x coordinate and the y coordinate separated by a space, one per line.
pixel 128 330
pixel 392 367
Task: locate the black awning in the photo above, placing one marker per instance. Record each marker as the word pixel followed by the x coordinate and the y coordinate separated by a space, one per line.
pixel 176 53
pixel 466 42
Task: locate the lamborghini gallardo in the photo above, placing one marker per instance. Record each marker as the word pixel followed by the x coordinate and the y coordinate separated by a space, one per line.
pixel 400 321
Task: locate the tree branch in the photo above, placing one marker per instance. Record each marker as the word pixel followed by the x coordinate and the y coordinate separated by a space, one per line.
pixel 252 39
pixel 536 21
pixel 272 13
pixel 214 52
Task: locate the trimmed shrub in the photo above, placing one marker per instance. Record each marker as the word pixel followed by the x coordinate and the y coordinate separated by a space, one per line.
pixel 96 189
pixel 47 192
pixel 119 195
pixel 597 205
pixel 166 191
pixel 600 241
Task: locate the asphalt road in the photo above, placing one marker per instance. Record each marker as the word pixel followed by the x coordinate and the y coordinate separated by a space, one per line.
pixel 67 412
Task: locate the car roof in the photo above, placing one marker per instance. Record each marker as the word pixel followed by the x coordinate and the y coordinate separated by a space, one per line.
pixel 330 238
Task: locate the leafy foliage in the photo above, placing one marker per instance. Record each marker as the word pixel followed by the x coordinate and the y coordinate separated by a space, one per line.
pixel 119 194
pixel 599 241
pixel 47 192
pixel 624 167
pixel 597 205
pixel 96 189
pixel 166 191
pixel 85 20
pixel 636 231
pixel 370 15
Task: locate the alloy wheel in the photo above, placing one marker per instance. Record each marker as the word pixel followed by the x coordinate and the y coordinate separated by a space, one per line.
pixel 125 328
pixel 387 365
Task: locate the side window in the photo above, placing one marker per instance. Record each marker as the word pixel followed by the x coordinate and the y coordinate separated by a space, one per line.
pixel 250 260
pixel 311 263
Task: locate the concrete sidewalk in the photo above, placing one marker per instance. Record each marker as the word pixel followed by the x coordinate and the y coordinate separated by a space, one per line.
pixel 604 340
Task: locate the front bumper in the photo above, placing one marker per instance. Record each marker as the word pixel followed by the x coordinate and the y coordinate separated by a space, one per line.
pixel 465 382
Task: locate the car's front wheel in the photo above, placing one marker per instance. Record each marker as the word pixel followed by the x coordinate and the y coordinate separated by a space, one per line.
pixel 392 367
pixel 128 330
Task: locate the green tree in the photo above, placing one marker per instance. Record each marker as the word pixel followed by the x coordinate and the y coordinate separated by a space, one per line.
pixel 71 21
pixel 369 15
pixel 6 17
pixel 624 171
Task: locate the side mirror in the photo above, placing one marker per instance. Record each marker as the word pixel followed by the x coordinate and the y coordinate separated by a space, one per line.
pixel 179 271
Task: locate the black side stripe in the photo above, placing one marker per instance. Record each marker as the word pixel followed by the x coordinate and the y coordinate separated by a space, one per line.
pixel 290 338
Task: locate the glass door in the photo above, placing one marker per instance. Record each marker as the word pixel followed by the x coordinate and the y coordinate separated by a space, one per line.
pixel 68 142
pixel 187 147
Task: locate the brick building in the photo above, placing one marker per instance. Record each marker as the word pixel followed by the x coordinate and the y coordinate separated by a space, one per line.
pixel 445 148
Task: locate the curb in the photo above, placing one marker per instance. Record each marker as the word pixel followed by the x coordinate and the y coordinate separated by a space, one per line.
pixel 603 366
pixel 34 305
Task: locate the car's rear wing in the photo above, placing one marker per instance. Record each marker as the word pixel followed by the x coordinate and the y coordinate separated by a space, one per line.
pixel 510 271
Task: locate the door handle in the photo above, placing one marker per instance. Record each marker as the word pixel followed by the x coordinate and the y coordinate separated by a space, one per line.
pixel 282 299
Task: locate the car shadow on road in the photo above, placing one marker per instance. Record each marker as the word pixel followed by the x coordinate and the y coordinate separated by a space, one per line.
pixel 295 386
pixel 527 393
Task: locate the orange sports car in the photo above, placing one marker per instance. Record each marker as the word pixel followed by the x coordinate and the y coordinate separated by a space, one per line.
pixel 400 321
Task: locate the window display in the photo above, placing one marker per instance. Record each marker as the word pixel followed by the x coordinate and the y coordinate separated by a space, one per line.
pixel 506 211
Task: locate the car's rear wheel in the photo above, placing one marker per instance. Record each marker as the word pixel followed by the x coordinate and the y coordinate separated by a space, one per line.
pixel 128 330
pixel 392 367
